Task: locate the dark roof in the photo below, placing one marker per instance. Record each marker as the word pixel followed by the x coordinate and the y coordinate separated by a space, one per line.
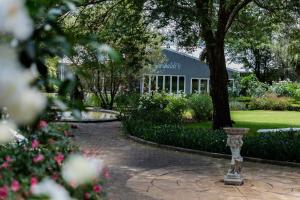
pixel 183 64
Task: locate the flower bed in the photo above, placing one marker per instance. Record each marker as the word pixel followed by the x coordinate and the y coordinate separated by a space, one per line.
pixel 42 167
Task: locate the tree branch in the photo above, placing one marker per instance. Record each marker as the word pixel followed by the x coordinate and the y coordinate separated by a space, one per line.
pixel 205 21
pixel 235 12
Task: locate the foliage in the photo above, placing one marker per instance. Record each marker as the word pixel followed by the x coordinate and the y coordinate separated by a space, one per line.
pixel 127 99
pixel 236 105
pixel 200 139
pixel 157 108
pixel 32 44
pixel 201 106
pixel 286 89
pixel 235 91
pixel 273 146
pixel 249 42
pixel 25 163
pixel 251 86
pixel 282 146
pixel 120 25
pixel 91 100
pixel 210 22
pixel 270 102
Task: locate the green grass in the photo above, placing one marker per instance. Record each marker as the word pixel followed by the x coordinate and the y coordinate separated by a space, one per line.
pixel 259 119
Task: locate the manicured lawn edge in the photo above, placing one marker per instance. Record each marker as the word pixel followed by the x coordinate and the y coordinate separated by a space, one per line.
pixel 209 154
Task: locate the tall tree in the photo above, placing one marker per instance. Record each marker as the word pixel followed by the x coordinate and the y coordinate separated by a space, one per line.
pixel 119 24
pixel 249 42
pixel 209 21
pixel 262 40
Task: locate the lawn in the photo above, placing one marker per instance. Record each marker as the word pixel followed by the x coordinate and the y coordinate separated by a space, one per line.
pixel 259 119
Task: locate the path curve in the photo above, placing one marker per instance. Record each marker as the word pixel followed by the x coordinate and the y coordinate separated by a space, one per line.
pixel 141 172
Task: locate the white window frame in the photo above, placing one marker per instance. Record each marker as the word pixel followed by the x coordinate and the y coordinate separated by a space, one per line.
pixel 199 84
pixel 233 85
pixel 191 85
pixel 164 82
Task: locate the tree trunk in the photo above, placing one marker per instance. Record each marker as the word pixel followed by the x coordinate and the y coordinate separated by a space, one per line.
pixel 219 85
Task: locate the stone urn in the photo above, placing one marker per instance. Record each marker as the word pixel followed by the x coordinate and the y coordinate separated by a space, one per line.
pixel 235 142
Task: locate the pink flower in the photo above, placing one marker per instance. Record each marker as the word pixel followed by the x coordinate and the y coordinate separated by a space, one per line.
pixel 38 158
pixel 3 192
pixel 59 158
pixel 5 165
pixel 33 181
pixel 8 159
pixel 35 143
pixel 87 195
pixel 97 188
pixel 42 124
pixel 15 185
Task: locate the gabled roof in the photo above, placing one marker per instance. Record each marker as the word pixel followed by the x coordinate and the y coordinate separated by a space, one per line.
pixel 188 56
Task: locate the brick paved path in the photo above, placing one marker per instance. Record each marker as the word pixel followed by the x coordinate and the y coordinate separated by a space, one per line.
pixel 140 172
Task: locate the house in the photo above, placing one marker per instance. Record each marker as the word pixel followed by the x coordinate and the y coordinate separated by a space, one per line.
pixel 180 73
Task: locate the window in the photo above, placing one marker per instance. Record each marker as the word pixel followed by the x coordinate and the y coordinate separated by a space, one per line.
pixel 181 84
pixel 153 83
pixel 200 85
pixel 203 86
pixel 195 85
pixel 167 84
pixel 146 84
pixel 160 83
pixel 174 84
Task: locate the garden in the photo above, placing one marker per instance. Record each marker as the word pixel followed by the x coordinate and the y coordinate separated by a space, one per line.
pixel 38 157
pixel 65 60
pixel 185 120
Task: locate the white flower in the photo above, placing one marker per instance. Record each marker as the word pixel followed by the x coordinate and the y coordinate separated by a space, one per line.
pixel 6 132
pixel 26 105
pixel 8 56
pixel 51 189
pixel 78 170
pixel 23 103
pixel 14 19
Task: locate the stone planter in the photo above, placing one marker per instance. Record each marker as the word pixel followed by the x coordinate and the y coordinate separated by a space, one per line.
pixel 235 142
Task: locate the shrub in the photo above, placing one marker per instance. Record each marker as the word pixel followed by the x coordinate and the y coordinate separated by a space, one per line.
pixel 244 99
pixel 201 106
pixel 270 102
pixel 177 105
pixel 281 146
pixel 274 146
pixel 127 100
pixel 156 108
pixel 250 86
pixel 41 156
pixel 236 105
pixel 285 89
pixel 174 135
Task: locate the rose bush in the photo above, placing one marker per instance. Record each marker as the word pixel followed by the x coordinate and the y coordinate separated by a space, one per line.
pixel 39 164
pixel 33 168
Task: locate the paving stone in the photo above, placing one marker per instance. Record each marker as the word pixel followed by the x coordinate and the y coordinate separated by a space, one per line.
pixel 140 172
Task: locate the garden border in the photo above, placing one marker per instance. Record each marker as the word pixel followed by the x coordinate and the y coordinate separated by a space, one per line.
pixel 93 121
pixel 210 154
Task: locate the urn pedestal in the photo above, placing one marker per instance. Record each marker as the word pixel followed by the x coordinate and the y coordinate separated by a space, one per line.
pixel 235 142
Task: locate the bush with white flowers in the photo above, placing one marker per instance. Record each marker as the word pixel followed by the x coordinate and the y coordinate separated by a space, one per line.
pixel 38 166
